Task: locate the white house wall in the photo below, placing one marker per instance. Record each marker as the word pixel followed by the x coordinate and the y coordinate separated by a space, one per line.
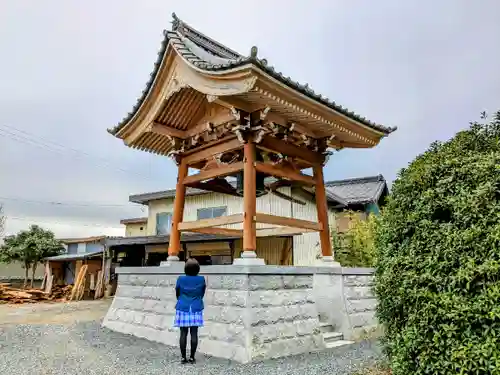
pixel 268 203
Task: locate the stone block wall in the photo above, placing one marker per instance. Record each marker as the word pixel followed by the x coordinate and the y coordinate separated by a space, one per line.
pixel 360 301
pixel 344 299
pixel 251 313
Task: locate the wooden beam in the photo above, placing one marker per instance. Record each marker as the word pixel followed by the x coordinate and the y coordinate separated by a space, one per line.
pixel 277 171
pixel 215 172
pixel 335 143
pixel 221 231
pixel 228 102
pixel 322 210
pixel 205 152
pixel 174 246
pixel 264 232
pixel 282 231
pixel 249 198
pixel 287 222
pixel 273 144
pixel 198 129
pixel 187 226
pixel 166 130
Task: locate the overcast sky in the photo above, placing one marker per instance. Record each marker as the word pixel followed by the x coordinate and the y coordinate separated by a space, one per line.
pixel 70 70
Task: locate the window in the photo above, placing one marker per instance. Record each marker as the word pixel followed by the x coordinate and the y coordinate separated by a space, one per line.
pixel 163 223
pixel 209 213
pixel 81 248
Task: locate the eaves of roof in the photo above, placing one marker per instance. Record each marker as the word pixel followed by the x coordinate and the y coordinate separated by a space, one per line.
pixel 67 257
pixel 181 30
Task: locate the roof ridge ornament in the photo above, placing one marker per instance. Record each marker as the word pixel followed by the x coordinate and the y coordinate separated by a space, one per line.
pixel 253 52
pixel 176 21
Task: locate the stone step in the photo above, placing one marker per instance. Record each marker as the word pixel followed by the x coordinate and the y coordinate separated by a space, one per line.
pixel 338 343
pixel 325 327
pixel 332 336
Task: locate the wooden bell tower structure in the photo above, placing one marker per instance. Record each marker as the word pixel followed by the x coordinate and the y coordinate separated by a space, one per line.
pixel 223 114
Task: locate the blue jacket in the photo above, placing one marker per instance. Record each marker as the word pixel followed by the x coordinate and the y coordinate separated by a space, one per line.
pixel 190 291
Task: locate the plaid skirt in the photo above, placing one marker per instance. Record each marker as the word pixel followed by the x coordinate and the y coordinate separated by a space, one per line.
pixel 188 319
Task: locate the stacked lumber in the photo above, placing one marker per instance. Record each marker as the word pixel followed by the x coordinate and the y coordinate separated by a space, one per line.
pixel 79 287
pixel 9 294
pixel 99 289
pixel 61 293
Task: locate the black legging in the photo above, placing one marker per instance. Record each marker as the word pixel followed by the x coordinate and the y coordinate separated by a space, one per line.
pixel 194 340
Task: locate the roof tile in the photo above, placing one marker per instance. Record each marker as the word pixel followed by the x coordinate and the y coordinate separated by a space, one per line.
pixel 205 53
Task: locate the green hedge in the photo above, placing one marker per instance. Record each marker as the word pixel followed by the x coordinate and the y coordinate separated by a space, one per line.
pixel 438 265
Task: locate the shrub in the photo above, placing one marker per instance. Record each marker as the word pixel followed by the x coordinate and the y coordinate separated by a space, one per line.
pixel 438 266
pixel 355 247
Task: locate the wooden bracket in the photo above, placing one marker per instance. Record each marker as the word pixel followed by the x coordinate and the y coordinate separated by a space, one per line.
pixel 289 174
pixel 288 222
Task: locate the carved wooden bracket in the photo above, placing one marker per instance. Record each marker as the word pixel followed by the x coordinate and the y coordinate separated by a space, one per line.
pixel 236 114
pixel 212 98
pixel 327 155
pixel 264 112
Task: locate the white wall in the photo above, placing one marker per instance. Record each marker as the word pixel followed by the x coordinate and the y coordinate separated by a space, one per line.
pixel 16 271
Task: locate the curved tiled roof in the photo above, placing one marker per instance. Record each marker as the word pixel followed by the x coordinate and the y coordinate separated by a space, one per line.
pixel 209 55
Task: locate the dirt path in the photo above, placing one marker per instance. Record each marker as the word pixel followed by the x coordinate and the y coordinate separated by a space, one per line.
pixel 54 313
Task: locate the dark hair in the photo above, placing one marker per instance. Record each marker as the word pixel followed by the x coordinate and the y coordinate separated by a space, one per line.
pixel 192 267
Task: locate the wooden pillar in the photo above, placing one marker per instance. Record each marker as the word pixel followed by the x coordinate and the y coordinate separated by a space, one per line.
pixel 249 198
pixel 180 194
pixel 249 256
pixel 322 209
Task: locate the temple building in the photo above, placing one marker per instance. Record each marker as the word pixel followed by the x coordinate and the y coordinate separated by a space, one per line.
pixel 246 133
pixel 247 130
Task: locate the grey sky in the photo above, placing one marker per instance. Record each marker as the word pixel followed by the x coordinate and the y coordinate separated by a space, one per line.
pixel 70 70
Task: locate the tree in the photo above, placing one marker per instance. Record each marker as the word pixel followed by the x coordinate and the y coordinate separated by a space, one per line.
pixel 30 247
pixel 438 258
pixel 2 222
pixel 355 247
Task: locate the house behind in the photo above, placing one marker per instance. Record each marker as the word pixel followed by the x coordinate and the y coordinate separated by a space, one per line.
pixel 362 195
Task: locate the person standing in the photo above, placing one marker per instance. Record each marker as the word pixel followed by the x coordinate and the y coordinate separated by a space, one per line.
pixel 190 290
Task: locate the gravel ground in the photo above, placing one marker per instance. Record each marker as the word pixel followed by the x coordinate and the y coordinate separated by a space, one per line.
pixel 83 347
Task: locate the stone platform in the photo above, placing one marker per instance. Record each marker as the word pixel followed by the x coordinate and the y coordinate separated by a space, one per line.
pixel 345 300
pixel 251 312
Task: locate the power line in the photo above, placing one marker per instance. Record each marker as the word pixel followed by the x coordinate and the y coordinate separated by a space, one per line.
pixel 59 203
pixel 28 138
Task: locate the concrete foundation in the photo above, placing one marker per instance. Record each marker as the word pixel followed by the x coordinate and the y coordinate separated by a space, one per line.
pixel 251 312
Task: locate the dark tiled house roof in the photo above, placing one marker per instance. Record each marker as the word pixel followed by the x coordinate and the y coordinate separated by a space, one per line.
pixel 135 220
pixel 346 192
pixel 357 190
pixel 209 55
